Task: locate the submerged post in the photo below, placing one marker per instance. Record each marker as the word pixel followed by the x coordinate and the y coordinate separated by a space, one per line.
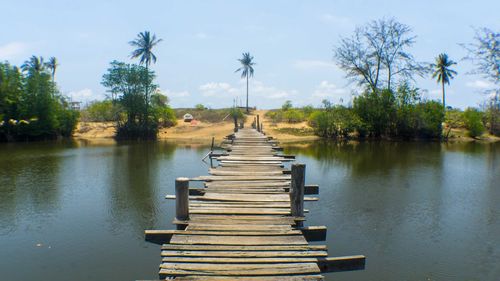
pixel 182 199
pixel 258 123
pixel 297 190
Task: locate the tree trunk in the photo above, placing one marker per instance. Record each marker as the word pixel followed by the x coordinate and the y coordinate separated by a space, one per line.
pixel 247 95
pixel 444 103
pixel 147 102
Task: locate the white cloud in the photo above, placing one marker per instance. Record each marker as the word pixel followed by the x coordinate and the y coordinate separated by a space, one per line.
pixel 330 91
pixel 313 64
pixel 219 89
pixel 480 84
pixel 12 50
pixel 84 95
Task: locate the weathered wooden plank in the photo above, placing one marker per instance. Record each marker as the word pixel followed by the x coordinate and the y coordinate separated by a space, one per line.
pixel 238 240
pixel 264 248
pixel 252 278
pixel 176 269
pixel 243 254
pixel 237 227
pixel 335 264
pixel 241 260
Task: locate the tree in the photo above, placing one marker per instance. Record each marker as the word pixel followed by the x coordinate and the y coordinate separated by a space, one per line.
pixel 443 72
pixel 52 65
pixel 35 64
pixel 485 54
pixel 246 69
pixel 130 82
pixel 378 49
pixel 144 44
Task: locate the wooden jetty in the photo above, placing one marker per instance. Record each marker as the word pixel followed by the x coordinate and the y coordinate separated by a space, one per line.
pixel 247 223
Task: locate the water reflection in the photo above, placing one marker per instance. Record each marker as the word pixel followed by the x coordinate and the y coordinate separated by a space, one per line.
pixel 134 183
pixel 365 158
pixel 29 181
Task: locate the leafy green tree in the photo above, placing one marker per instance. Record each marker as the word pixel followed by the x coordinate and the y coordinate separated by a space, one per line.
pixel 377 111
pixel 287 105
pixel 443 72
pixel 246 70
pixel 144 44
pixel 52 65
pixel 34 64
pixel 130 83
pixel 473 122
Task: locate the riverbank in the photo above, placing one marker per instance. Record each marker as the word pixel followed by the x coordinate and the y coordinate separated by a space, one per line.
pixel 195 132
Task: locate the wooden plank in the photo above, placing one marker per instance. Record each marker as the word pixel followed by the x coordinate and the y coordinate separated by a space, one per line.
pixel 265 248
pixel 176 269
pixel 238 227
pixel 240 260
pixel 244 254
pixel 238 240
pixel 346 263
pixel 252 278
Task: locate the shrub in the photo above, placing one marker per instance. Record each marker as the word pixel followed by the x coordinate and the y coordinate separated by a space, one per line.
pixel 101 111
pixel 335 122
pixel 473 122
pixel 293 116
pixel 429 119
pixel 377 111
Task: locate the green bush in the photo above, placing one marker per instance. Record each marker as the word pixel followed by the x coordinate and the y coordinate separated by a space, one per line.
pixel 473 122
pixel 429 119
pixel 293 116
pixel 335 122
pixel 377 111
pixel 101 111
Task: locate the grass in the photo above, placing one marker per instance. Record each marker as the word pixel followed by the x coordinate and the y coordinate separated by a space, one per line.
pixel 205 115
pixel 296 131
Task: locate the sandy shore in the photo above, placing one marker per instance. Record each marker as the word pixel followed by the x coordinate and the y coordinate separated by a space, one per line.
pixel 199 132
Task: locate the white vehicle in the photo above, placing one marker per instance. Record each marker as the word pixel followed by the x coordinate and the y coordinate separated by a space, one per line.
pixel 188 117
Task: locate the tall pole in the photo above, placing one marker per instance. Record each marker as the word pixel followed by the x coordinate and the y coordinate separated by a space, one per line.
pixel 297 191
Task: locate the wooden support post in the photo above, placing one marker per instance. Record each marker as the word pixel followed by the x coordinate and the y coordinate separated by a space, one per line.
pixel 258 123
pixel 297 191
pixel 182 198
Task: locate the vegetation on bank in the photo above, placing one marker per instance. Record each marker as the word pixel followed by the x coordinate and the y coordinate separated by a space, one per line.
pixel 377 58
pixel 31 106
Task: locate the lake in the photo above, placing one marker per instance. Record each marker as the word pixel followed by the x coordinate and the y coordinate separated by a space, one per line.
pixel 418 211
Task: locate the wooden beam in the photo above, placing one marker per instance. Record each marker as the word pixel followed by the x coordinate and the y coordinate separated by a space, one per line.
pixel 346 263
pixel 314 233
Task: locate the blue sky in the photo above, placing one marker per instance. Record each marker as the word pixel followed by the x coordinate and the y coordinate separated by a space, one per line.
pixel 292 42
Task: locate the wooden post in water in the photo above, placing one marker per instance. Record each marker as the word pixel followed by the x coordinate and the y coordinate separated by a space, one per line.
pixel 182 199
pixel 258 123
pixel 297 191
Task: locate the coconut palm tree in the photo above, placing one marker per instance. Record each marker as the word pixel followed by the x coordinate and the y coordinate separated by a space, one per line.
pixel 34 64
pixel 52 66
pixel 443 72
pixel 246 69
pixel 144 44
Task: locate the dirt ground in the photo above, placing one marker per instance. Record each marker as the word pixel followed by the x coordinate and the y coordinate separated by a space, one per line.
pixel 196 132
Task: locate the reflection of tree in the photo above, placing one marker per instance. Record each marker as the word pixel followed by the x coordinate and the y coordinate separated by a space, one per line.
pixel 134 181
pixel 370 157
pixel 29 180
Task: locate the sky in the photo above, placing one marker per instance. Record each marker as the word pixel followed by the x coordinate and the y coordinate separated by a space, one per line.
pixel 292 43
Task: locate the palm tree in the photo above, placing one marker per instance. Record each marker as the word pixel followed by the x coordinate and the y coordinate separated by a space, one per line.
pixel 34 64
pixel 144 44
pixel 52 66
pixel 443 72
pixel 246 69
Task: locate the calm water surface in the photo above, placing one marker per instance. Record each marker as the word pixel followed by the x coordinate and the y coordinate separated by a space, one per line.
pixel 418 211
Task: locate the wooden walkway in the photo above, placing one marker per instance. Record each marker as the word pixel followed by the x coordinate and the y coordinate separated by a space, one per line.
pixel 247 223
